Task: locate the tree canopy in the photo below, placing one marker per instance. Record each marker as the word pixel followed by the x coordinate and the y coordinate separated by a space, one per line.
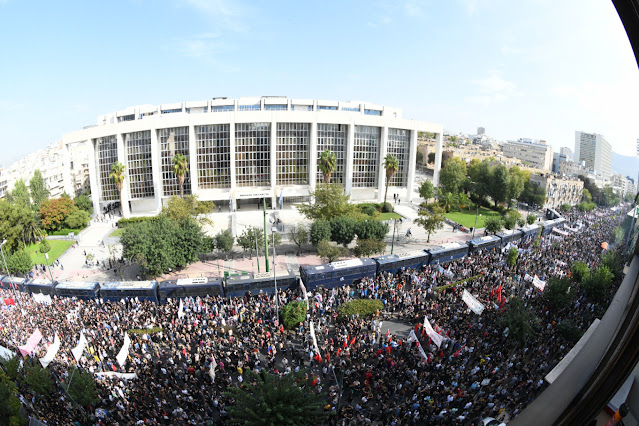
pixel 38 189
pixel 452 175
pixel 180 168
pixel 83 202
pixel 54 212
pixel 327 163
pixel 429 221
pixel 180 208
pixel 391 164
pixel 328 201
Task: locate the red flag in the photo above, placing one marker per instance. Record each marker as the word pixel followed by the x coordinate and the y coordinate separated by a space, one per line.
pixel 353 340
pixel 345 343
pixel 328 357
pixel 339 351
pixel 492 292
pixel 503 301
pixel 499 293
pixel 458 351
pixel 9 301
pixel 388 349
pixel 387 331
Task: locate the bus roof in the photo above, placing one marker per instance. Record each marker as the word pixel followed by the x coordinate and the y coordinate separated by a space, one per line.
pixel 40 281
pixel 76 285
pixel 124 285
pixel 260 276
pixel 400 256
pixel 484 240
pixel 14 280
pixel 448 246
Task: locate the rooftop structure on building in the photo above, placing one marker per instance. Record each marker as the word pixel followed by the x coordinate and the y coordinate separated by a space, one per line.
pixel 595 150
pixel 243 150
pixel 535 153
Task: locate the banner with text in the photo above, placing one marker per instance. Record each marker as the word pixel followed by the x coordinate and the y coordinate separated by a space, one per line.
pixel 475 305
pixel 51 352
pixel 435 337
pixel 31 344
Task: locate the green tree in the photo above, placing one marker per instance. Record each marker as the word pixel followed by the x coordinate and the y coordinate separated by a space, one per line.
pixel 208 244
pixel 558 293
pixel 12 366
pixel 249 238
pixel 269 399
pixel 585 196
pixel 617 235
pixel 533 194
pixel 598 283
pixel 531 219
pixel 320 230
pixel 480 173
pixel 9 403
pixel 463 200
pixel 431 157
pixel 327 163
pixel 430 221
pixel 180 168
pixel 367 248
pixel 328 201
pixel 520 320
pixel 77 219
pixel 452 175
pixel 391 164
pixel 54 212
pixel 370 229
pixel 300 236
pixel 513 253
pixel 613 261
pixel 419 158
pixel 293 313
pixel 448 201
pixel 579 271
pixel 510 219
pixel 81 387
pixel 516 181
pixel 37 379
pixel 31 231
pixel 569 330
pixel 20 194
pixel 224 241
pixel 118 175
pixel 499 184
pixel 38 189
pixel 328 251
pixel 181 208
pixel 565 207
pixel 13 222
pixel 83 202
pixel 493 224
pixel 19 262
pixel 427 190
pixel 343 230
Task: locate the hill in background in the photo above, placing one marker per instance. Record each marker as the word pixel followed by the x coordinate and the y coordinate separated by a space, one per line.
pixel 626 165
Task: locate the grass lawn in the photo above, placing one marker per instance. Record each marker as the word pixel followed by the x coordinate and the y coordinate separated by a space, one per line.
pixel 117 233
pixel 57 248
pixel 467 218
pixel 389 216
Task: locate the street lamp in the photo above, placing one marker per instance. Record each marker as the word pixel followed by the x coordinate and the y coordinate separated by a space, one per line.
pixel 476 216
pixel 5 264
pixel 393 242
pixel 277 301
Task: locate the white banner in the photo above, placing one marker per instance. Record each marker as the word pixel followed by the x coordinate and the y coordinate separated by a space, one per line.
pixel 559 231
pixel 475 305
pixel 212 368
pixel 436 337
pixel 317 352
pixel 180 313
pixel 411 337
pixel 422 352
pixel 51 352
pixel 41 298
pixel 77 351
pixel 124 352
pixel 125 376
pixel 541 285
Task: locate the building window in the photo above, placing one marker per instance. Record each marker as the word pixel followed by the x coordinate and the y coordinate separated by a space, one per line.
pixel 329 108
pixel 356 109
pixel 253 154
pixel 107 155
pixel 332 137
pixel 129 117
pixel 255 107
pixel 213 156
pixel 275 107
pixel 171 111
pixel 223 108
pixel 366 156
pixel 292 153
pixel 139 169
pixel 302 107
pixel 173 141
pixel 372 112
pixel 398 145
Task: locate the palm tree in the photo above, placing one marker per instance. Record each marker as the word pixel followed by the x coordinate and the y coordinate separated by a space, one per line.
pixel 327 164
pixel 391 164
pixel 117 174
pixel 180 168
pixel 448 200
pixel 464 200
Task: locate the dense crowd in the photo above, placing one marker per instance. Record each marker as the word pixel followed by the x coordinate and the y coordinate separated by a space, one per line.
pixel 479 370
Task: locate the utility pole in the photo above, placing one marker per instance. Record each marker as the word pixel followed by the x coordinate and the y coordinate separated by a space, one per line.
pixel 265 236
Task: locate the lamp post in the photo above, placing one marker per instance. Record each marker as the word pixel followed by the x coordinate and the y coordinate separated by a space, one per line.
pixel 277 299
pixel 265 237
pixel 393 242
pixel 476 216
pixel 5 264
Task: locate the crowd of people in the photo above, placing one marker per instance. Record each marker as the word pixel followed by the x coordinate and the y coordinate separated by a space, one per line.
pixel 479 370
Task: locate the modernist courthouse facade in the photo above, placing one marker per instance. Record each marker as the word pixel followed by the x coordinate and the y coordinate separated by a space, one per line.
pixel 244 150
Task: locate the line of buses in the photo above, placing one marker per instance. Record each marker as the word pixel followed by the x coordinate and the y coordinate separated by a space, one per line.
pixel 329 275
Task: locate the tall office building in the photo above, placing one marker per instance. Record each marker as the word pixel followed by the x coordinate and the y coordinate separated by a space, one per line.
pixel 595 151
pixel 482 131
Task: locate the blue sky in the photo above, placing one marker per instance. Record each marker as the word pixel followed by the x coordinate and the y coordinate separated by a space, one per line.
pixel 527 68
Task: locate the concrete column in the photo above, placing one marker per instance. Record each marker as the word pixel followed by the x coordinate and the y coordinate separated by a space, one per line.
pixel 273 163
pixel 412 158
pixel 94 179
pixel 156 166
pixel 381 173
pixel 350 152
pixel 312 163
pixel 122 158
pixel 232 162
pixel 193 160
pixel 438 158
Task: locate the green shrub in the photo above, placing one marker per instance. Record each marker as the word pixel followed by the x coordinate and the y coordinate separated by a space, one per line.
pixel 513 253
pixel 569 331
pixel 531 219
pixel 293 313
pixel 320 230
pixel 369 247
pixel 66 231
pixel 387 208
pixel 368 210
pixel 579 271
pixel 364 308
pixel 558 292
pixel 45 247
pixel 597 284
pixel 124 222
pixel 145 330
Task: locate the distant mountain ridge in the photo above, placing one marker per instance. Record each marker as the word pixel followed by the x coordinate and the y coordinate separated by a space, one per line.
pixel 625 165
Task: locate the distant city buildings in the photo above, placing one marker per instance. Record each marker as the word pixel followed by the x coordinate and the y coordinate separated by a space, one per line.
pixel 481 131
pixel 564 155
pixel 559 189
pixel 595 151
pixel 3 183
pixel 534 153
pixel 622 185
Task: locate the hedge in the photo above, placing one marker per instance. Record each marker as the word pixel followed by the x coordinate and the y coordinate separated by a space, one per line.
pixel 145 330
pixel 124 222
pixel 293 313
pixel 362 307
pixel 456 283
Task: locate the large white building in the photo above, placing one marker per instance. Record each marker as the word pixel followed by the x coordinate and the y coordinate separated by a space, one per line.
pixel 243 150
pixel 533 153
pixel 595 151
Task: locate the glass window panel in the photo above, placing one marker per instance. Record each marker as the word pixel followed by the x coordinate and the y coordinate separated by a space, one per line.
pixel 107 156
pixel 140 169
pixel 174 141
pixel 398 145
pixel 366 156
pixel 292 153
pixel 213 156
pixel 253 154
pixel 332 137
